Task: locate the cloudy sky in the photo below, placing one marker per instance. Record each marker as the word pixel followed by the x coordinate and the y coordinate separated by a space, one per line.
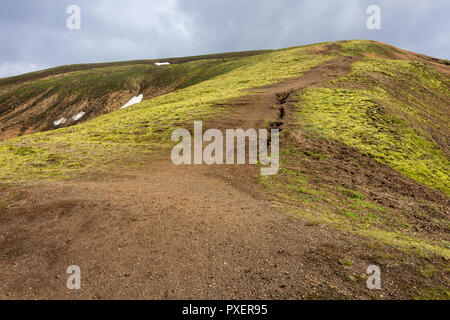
pixel 34 34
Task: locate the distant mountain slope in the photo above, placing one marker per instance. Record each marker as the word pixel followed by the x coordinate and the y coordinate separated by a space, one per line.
pixel 33 102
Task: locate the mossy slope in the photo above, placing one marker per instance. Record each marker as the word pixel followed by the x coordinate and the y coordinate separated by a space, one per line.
pixel 390 109
pixel 147 126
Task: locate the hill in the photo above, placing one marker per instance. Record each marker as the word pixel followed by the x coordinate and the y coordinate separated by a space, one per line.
pixel 363 179
pixel 33 102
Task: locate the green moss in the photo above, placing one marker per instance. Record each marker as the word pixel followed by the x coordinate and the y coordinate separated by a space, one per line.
pixel 433 293
pixel 352 194
pixel 345 262
pixel 355 118
pixel 412 244
pixel 364 47
pixel 429 271
pixel 347 214
pixel 359 203
pixel 343 208
pixel 352 278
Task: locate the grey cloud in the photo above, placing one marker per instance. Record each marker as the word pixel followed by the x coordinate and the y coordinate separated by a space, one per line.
pixel 33 34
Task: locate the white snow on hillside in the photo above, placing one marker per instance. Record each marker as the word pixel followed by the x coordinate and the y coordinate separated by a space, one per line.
pixel 78 116
pixel 59 122
pixel 133 100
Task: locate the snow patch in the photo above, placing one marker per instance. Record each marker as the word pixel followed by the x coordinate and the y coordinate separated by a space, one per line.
pixel 78 116
pixel 162 63
pixel 59 122
pixel 133 100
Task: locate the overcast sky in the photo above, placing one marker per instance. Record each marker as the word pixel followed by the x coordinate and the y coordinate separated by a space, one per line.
pixel 34 33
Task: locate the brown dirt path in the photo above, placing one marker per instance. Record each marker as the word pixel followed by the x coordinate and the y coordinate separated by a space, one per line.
pixel 188 232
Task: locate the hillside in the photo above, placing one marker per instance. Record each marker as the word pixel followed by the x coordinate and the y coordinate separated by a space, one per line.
pixel 33 102
pixel 364 177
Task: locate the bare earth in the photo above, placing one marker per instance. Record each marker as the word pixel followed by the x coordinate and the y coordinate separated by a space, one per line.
pixel 188 232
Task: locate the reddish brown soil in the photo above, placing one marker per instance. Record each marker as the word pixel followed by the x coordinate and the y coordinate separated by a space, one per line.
pixel 189 232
